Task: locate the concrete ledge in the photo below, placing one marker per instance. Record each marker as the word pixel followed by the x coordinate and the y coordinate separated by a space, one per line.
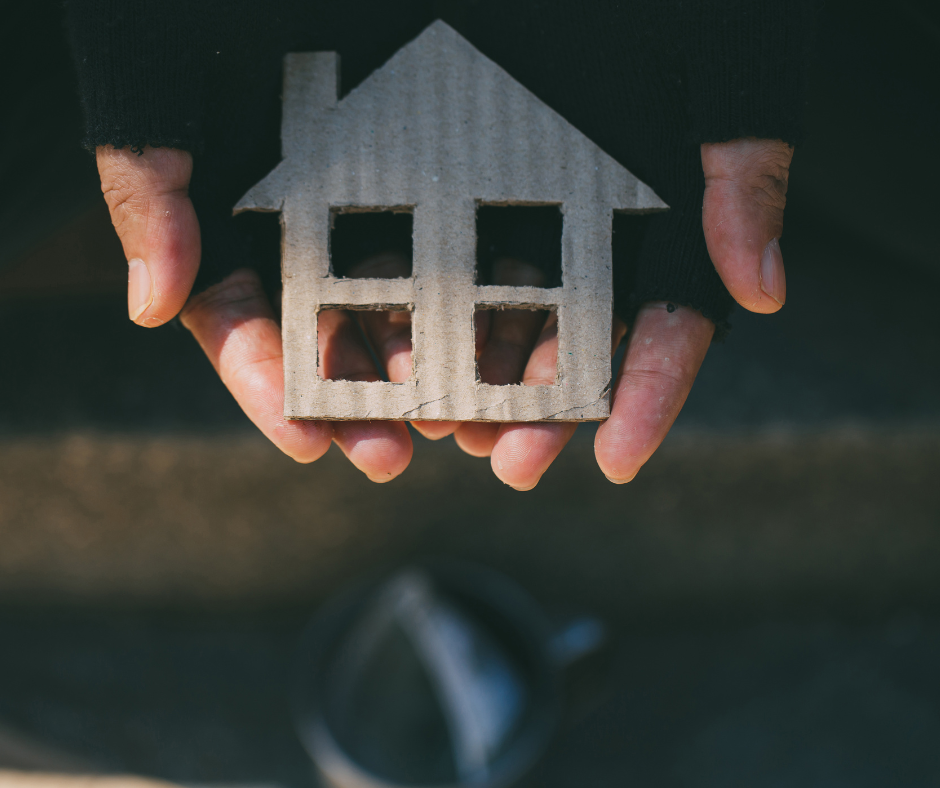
pixel 11 779
pixel 92 519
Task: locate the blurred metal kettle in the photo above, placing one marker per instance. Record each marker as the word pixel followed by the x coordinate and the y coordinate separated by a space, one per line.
pixel 440 675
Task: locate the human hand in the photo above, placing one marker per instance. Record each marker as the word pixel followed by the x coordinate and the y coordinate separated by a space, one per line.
pixel 742 217
pixel 233 321
pixel 745 195
pixel 746 183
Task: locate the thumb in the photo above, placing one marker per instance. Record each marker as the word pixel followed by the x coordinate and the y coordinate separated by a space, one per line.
pixel 148 196
pixel 742 215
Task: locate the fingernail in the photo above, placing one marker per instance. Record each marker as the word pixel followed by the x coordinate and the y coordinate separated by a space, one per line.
pixel 621 481
pixel 772 278
pixel 139 288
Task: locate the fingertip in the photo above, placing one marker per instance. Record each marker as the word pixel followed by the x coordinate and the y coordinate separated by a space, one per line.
pixel 613 480
pixel 506 459
pixel 304 441
pixel 435 430
pixel 476 438
pixel 763 304
pixel 755 278
pixel 615 454
pixel 521 480
pixel 763 293
pixel 382 450
pixel 523 452
pixel 384 479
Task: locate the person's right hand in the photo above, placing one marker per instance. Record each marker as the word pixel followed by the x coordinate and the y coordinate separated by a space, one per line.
pixel 148 196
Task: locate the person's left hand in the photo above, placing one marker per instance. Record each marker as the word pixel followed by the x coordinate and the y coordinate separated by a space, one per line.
pixel 742 217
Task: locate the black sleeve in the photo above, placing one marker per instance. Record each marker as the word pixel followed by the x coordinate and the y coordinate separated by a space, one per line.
pixel 647 80
pixel 141 71
pixel 747 67
pixel 650 81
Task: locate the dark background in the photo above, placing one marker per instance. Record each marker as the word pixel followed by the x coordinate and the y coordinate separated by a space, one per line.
pixel 770 577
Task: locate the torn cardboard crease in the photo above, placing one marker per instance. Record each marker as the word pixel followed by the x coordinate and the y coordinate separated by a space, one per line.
pixel 439 130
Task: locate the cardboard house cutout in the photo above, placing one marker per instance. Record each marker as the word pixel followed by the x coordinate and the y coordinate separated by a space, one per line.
pixel 438 131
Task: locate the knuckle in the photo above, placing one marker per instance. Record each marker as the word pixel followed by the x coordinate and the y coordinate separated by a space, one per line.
pixel 769 191
pixel 769 160
pixel 130 187
pixel 759 169
pixel 248 370
pixel 649 379
pixel 122 200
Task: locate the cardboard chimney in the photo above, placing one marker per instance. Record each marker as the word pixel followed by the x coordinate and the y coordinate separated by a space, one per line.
pixel 438 131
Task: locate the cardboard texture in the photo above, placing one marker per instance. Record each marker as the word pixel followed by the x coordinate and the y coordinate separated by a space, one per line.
pixel 438 131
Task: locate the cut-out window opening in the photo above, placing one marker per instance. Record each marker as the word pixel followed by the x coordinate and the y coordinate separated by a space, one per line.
pixel 368 344
pixel 519 245
pixel 629 231
pixel 516 344
pixel 371 243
